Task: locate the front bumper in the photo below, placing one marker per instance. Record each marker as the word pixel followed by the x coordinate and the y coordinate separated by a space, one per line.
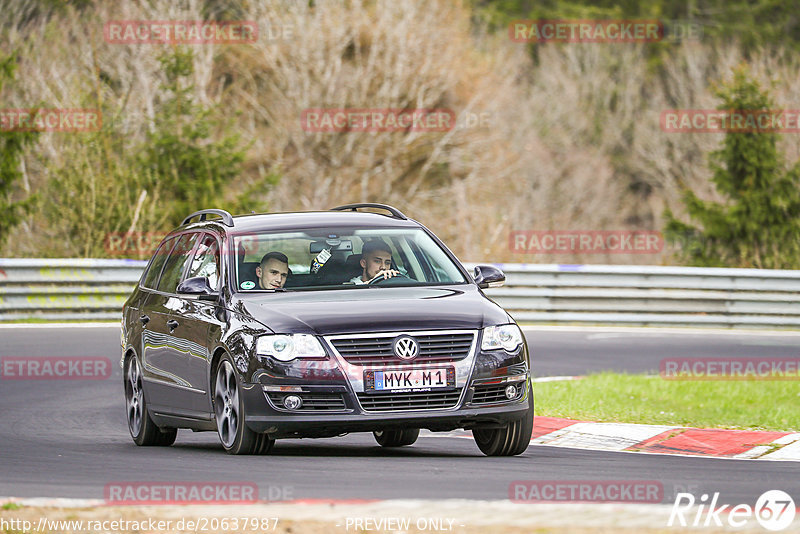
pixel 262 415
pixel 336 399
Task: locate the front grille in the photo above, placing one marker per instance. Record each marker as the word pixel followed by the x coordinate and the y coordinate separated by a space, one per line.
pixel 449 347
pixel 494 393
pixel 427 400
pixel 312 402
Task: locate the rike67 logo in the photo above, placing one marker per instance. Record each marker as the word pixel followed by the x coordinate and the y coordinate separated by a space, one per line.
pixel 774 510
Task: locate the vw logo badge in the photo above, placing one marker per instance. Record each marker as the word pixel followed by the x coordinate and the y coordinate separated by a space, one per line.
pixel 405 347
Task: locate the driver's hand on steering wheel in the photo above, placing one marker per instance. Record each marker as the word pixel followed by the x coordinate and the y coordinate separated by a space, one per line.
pixel 389 273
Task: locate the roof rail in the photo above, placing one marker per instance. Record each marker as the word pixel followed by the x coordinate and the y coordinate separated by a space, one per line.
pixel 227 219
pixel 396 213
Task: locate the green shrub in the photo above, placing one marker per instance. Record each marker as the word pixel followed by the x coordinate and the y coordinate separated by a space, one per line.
pixel 759 225
pixel 12 148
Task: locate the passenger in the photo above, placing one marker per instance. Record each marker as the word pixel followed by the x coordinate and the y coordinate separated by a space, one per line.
pixel 273 270
pixel 376 261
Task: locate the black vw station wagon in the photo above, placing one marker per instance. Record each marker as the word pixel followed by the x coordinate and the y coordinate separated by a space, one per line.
pixel 317 324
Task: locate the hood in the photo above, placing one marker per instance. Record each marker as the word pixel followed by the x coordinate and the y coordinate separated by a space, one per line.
pixel 378 309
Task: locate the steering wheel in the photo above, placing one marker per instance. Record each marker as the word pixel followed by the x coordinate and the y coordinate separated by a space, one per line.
pixel 394 280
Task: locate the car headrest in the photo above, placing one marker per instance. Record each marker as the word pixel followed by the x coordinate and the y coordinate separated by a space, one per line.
pixel 247 271
pixel 353 262
pixel 331 272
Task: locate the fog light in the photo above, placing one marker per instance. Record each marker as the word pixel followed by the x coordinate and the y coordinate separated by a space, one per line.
pixel 511 392
pixel 292 402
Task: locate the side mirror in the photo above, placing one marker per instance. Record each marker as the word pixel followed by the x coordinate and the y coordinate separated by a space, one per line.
pixel 488 276
pixel 199 286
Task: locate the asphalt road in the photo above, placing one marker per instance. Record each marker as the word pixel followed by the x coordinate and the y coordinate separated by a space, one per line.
pixel 69 438
pixel 569 351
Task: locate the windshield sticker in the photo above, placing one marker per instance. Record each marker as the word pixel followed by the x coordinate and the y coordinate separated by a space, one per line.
pixel 247 285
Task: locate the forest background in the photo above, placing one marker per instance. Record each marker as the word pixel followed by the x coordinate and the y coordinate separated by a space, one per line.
pixel 549 136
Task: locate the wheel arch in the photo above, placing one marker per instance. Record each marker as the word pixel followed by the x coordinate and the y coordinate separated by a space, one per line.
pixel 129 353
pixel 219 352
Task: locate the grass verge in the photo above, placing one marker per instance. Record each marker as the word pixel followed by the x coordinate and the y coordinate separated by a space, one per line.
pixel 625 398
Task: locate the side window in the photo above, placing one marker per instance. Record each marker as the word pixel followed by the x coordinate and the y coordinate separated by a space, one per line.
pixel 206 261
pixel 151 278
pixel 176 263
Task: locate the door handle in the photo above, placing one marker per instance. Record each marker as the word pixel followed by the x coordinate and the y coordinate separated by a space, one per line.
pixel 144 319
pixel 172 324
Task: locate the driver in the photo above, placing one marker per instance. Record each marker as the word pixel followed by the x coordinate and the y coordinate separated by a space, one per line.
pixel 273 270
pixel 376 261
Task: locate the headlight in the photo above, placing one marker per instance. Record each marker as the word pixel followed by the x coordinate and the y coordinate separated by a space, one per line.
pixel 288 347
pixel 504 336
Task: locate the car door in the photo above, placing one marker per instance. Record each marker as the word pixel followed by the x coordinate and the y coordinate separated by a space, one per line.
pixel 195 320
pixel 153 348
pixel 164 365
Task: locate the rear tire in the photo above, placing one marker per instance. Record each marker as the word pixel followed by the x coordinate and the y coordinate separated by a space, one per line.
pixel 143 430
pixel 396 438
pixel 509 441
pixel 235 436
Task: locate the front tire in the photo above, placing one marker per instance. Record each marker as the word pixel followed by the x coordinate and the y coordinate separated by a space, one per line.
pixel 510 440
pixel 396 438
pixel 233 432
pixel 143 430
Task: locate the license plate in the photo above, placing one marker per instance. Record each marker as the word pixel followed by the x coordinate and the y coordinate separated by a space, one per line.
pixel 409 379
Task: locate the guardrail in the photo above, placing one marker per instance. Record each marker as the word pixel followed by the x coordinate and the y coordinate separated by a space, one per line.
pixel 65 289
pixel 85 289
pixel 648 295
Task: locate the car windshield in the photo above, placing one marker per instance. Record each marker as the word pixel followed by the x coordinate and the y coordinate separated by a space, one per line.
pixel 330 258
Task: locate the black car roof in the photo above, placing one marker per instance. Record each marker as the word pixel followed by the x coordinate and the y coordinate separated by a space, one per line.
pixel 304 219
